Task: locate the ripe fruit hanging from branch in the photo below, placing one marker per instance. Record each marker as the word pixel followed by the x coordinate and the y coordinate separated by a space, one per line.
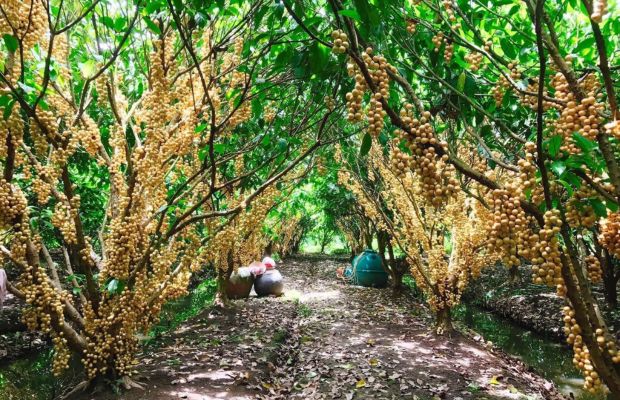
pixel 341 42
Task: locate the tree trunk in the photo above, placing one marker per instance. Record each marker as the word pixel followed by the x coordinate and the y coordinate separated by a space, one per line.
pixel 269 249
pixel 443 322
pixel 397 270
pixel 609 280
pixel 221 298
pixel 368 240
pixel 381 243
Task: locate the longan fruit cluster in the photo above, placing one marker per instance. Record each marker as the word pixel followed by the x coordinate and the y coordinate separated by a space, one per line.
pixel 498 90
pixel 503 84
pixel 474 60
pixel 578 116
pixel 447 4
pixel 88 136
pixel 531 101
pixel 401 161
pixel 48 120
pixel 158 100
pixel 330 103
pixel 44 301
pixel 63 218
pixel 527 173
pixel 41 145
pixel 13 205
pixel 111 334
pixel 376 114
pixel 514 70
pixel 608 344
pixel 547 266
pixel 320 167
pixel 122 242
pixel 62 354
pixel 578 211
pixel 354 97
pixel 448 52
pixel 269 114
pixel 411 25
pixel 437 182
pixel 341 42
pixel 613 129
pixel 27 18
pixel 237 77
pixel 377 66
pixel 102 90
pixel 13 126
pixel 595 272
pixel 599 9
pixel 610 233
pixel 239 165
pixel 506 227
pixel 241 115
pixel 581 355
pixel 437 41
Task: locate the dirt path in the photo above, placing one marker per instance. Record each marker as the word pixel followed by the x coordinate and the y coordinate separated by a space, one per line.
pixel 325 340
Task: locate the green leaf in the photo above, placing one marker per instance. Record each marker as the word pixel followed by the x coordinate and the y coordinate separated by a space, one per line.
pixel 200 128
pixel 107 21
pixel 112 286
pixel 319 56
pixel 460 85
pixel 583 143
pixel 366 144
pixel 554 143
pixel 509 48
pixel 351 14
pixel 5 100
pixel 572 179
pixel 88 68
pixel 219 148
pixel 27 89
pixel 152 25
pixel 599 207
pixel 11 42
pixel 152 6
pixel 119 24
pixel 558 167
pixel 567 186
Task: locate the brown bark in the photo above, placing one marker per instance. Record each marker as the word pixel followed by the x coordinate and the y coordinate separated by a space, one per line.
pixel 443 321
pixel 610 280
pixel 223 276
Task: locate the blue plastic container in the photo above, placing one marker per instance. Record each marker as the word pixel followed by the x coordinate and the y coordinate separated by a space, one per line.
pixel 367 270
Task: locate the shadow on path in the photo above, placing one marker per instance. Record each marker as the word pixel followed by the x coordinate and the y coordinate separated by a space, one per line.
pixel 326 340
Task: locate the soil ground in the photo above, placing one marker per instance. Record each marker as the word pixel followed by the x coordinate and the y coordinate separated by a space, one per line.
pixel 326 340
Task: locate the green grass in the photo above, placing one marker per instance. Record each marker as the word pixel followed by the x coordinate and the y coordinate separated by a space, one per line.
pixel 178 311
pixel 304 310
